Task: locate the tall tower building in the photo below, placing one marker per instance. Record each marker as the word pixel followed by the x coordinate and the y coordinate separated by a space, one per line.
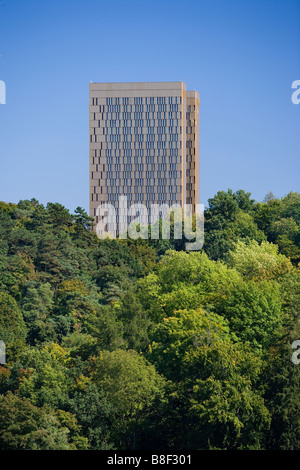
pixel 144 144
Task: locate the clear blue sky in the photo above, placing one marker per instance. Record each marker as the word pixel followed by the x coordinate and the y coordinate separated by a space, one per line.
pixel 241 55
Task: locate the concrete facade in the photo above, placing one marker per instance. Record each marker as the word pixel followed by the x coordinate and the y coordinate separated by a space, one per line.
pixel 144 143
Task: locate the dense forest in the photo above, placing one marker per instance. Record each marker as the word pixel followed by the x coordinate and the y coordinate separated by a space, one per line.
pixel 123 344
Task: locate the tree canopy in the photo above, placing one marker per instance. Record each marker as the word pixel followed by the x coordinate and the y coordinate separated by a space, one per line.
pixel 139 344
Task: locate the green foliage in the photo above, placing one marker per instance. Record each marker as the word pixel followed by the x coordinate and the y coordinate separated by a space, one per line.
pixel 131 385
pixel 12 326
pixel 280 220
pixel 254 312
pixel 42 375
pixel 228 219
pixel 37 303
pixel 231 412
pixel 134 318
pixel 139 344
pixel 184 280
pixel 216 381
pixel 24 426
pixel 255 261
pixel 282 395
pixel 94 413
pixel 290 206
pixel 184 331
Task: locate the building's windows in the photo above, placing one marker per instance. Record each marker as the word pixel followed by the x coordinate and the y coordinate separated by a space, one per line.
pixel 150 145
pixel 150 108
pixel 127 130
pixel 162 107
pixel 149 100
pixel 138 108
pixel 161 100
pixel 139 137
pixel 138 117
